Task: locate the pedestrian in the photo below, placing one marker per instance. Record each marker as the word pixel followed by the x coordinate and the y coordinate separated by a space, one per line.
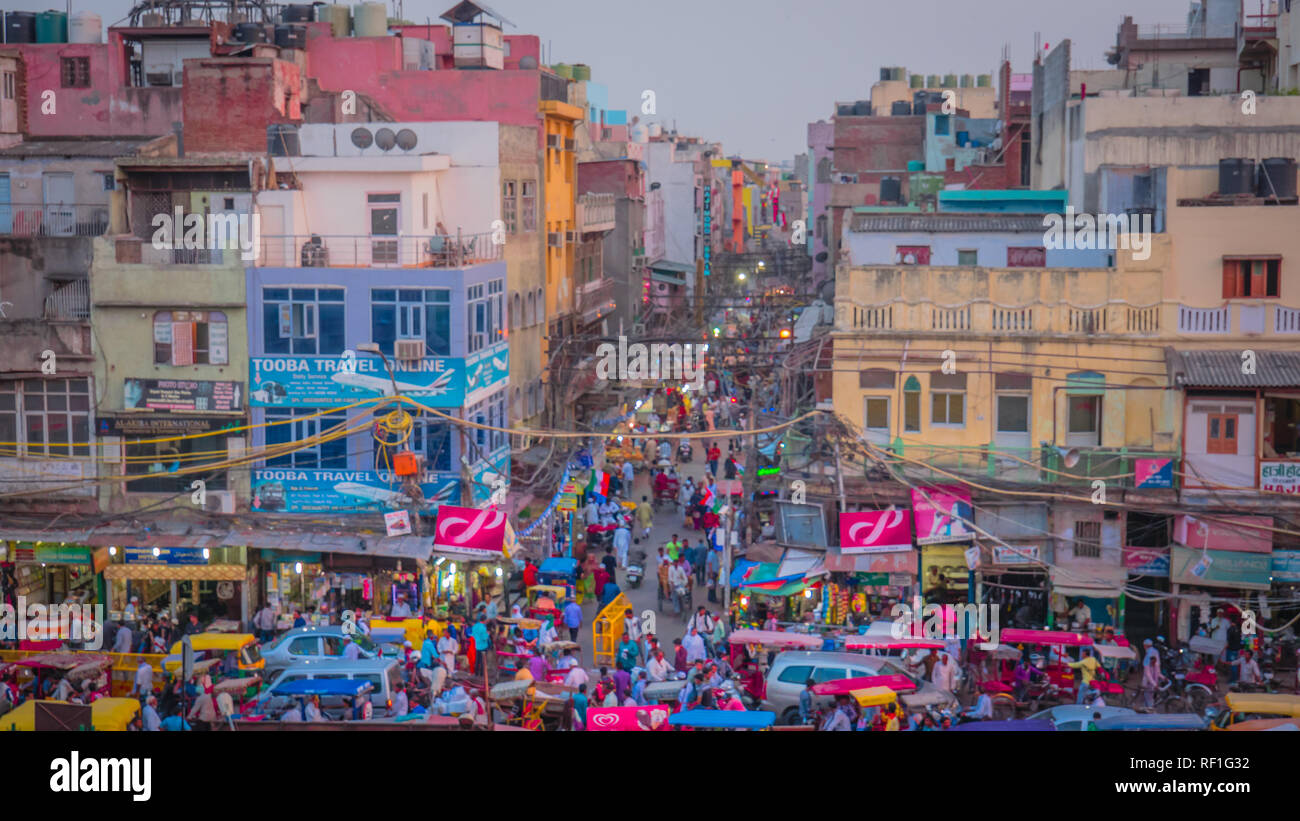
pixel 680 662
pixel 629 477
pixel 702 622
pixel 143 685
pixel 580 705
pixel 1150 673
pixel 351 650
pixel 719 637
pixel 628 653
pixel 713 454
pixel 483 649
pixel 611 592
pixel 622 541
pixel 152 721
pixel 658 667
pixel 694 644
pixel 711 564
pixel 631 626
pixel 645 516
pixel 638 689
pixel 448 647
pixel 944 674
pixel 122 641
pixel 1087 666
pixel 264 621
pixel 573 619
pixel 577 676
pixel 401 702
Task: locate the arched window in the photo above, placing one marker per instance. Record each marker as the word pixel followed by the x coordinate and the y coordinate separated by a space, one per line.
pixel 516 316
pixel 531 316
pixel 541 306
pixel 824 169
pixel 515 408
pixel 912 405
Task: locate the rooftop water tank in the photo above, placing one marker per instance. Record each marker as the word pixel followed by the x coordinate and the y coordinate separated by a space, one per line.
pixel 250 33
pixel 917 81
pixel 528 62
pixel 967 80
pixel 339 17
pixel 984 81
pixel 655 129
pixel 297 13
pixel 1277 178
pixel 370 20
pixel 85 27
pixel 52 27
pixel 1236 176
pixel 20 27
pixel 581 71
pixel 950 81
pixel 901 108
pixel 291 36
pixel 563 70
pixel 932 81
pixel 862 108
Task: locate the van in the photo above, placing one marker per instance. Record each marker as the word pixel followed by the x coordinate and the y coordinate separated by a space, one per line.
pixel 384 674
pixel 791 670
pixel 1250 706
pixel 316 643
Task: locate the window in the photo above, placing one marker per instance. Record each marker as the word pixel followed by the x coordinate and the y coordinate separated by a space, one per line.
pixel 1221 433
pixel 486 314
pixel 156 464
pixel 424 210
pixel 941 124
pixel 947 408
pixel 532 310
pixel 968 256
pixel 332 454
pixel 1281 427
pixel 430 437
pixel 305 646
pixel 1013 413
pixel 383 223
pixel 509 207
pixel 9 85
pixel 110 184
pixel 1026 257
pixel 528 204
pixel 912 405
pixel 796 674
pixel 75 72
pixel 1087 540
pixel 302 321
pixel 828 674
pixel 411 313
pixel 190 338
pixel 1085 414
pixel 491 412
pixel 876 411
pixel 1251 278
pixel 46 417
pixel 821 227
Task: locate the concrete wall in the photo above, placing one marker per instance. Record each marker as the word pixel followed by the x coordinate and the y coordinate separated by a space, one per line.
pixel 228 103
pixel 677 189
pixel 874 248
pixel 525 273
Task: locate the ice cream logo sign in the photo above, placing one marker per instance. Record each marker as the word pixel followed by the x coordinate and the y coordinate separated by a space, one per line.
pixel 471 532
pixel 875 531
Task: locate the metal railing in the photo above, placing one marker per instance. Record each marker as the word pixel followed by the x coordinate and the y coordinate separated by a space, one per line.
pixel 594 295
pixel 1186 31
pixel 1041 465
pixel 596 212
pixel 376 251
pixel 53 220
pixel 72 301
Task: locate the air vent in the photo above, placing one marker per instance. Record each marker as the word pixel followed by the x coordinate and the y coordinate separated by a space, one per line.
pixel 385 139
pixel 362 138
pixel 406 139
pixel 553 141
pixel 570 237
pixel 568 145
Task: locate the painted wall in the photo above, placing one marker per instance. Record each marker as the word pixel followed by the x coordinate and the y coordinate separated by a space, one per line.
pixel 228 103
pixel 677 191
pixel 1207 469
pixel 525 276
pixel 991 248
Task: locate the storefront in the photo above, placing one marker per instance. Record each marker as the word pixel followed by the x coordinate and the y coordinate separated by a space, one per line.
pixel 1203 580
pixel 211 582
pixel 1013 576
pixel 873 582
pixel 48 573
pixel 944 516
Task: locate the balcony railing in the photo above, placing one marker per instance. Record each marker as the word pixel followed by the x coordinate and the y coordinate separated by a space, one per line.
pixel 1041 465
pixel 595 298
pixel 70 302
pixel 53 220
pixel 596 212
pixel 362 251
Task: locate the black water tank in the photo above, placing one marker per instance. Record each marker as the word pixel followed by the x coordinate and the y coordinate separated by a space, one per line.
pixel 250 33
pixel 901 108
pixel 841 111
pixel 891 190
pixel 291 36
pixel 862 108
pixel 1277 178
pixel 297 13
pixel 1236 176
pixel 282 140
pixel 20 27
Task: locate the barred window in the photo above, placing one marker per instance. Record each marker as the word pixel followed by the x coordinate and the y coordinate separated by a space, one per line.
pixel 46 417
pixel 75 72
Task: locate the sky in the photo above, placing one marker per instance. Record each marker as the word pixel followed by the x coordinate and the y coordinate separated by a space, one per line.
pixel 753 73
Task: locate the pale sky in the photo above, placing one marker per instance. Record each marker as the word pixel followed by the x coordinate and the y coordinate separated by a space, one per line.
pixel 754 73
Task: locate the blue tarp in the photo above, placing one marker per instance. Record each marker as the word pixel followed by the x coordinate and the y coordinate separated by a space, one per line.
pixel 322 687
pixel 1027 725
pixel 738 572
pixel 724 719
pixel 559 566
pixel 1154 721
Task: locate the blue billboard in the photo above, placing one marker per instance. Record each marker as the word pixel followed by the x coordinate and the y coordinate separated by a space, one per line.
pixel 298 490
pixel 329 381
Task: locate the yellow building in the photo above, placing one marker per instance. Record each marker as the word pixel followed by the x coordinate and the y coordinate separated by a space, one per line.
pixel 559 186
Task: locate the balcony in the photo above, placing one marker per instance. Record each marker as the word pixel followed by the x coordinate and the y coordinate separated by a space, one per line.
pixel 51 220
pixel 595 212
pixel 1038 465
pixel 365 251
pixel 69 303
pixel 595 299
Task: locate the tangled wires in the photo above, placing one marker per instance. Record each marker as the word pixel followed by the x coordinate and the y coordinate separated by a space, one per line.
pixel 392 430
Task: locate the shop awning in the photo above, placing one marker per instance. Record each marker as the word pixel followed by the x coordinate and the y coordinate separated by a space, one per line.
pixel 173 572
pixel 903 561
pixel 1225 568
pixel 1089 582
pixel 1222 369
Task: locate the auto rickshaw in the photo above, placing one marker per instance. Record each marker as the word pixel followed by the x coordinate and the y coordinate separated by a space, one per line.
pixel 747 645
pixel 106 714
pixel 75 667
pixel 242 648
pixel 413 629
pixel 1248 706
pixel 545 601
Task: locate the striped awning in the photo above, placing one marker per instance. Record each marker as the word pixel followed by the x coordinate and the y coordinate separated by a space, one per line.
pixel 175 572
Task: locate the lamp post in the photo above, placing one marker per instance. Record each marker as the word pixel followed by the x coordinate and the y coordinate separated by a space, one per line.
pixel 373 347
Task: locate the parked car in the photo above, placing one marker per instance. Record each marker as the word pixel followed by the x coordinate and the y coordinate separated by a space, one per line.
pixel 320 643
pixel 383 674
pixel 792 669
pixel 1077 716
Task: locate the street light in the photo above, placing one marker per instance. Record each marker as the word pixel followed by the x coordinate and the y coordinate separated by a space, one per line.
pixel 373 347
pixel 741 276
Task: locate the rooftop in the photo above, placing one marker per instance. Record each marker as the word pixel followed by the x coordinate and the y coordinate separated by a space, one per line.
pixel 78 147
pixel 945 223
pixel 1223 369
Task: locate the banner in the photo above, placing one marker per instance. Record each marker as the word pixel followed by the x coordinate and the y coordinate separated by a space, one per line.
pixel 1237 533
pixel 1286 565
pixel 328 381
pixel 944 516
pixel 477 533
pixel 1016 554
pixel 627 718
pixel 1225 569
pixel 182 395
pixel 875 531
pixel 295 490
pixel 166 555
pixel 1152 473
pixel 1147 561
pixel 1280 477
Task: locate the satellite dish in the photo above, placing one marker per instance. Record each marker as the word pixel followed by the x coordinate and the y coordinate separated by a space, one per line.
pixel 385 139
pixel 406 139
pixel 362 138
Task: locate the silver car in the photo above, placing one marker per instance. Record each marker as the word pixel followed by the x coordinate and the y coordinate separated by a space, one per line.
pixel 320 643
pixel 383 675
pixel 790 672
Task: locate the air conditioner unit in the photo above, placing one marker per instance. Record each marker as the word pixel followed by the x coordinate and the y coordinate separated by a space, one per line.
pixel 570 237
pixel 409 350
pixel 553 141
pixel 554 239
pixel 568 145
pixel 219 501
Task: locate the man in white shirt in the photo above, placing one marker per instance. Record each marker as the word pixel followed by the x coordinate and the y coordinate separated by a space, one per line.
pixel 622 541
pixel 149 715
pixel 629 476
pixel 576 676
pixel 677 579
pixel 658 667
pixel 351 651
pixel 1250 672
pixel 401 610
pixel 944 674
pixel 143 685
pixel 593 512
pixel 401 704
pixel 694 644
pixel 122 641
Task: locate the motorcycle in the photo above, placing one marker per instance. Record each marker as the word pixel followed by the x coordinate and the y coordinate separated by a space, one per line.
pixel 635 568
pixel 685 453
